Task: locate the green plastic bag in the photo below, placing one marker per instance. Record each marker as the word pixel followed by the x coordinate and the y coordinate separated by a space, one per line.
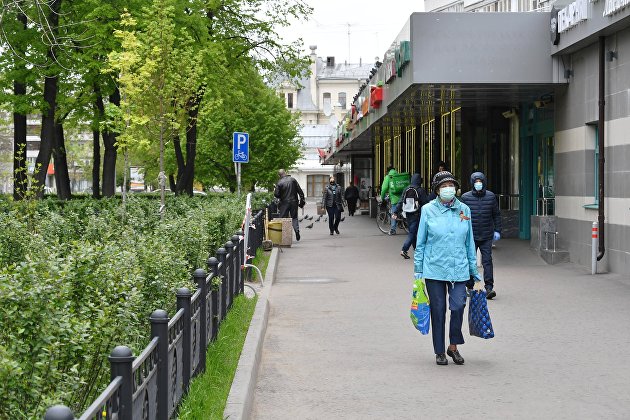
pixel 420 311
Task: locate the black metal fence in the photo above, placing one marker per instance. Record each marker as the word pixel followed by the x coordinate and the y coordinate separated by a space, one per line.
pixel 152 384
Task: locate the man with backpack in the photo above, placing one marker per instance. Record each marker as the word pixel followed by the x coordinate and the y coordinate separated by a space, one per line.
pixel 411 202
pixel 392 185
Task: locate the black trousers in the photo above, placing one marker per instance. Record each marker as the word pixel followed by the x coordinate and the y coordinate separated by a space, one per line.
pixel 334 216
pixel 290 209
pixel 486 260
pixel 352 206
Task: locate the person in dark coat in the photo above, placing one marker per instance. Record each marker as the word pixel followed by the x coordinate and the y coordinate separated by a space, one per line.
pixel 351 195
pixel 332 201
pixel 486 223
pixel 411 202
pixel 291 196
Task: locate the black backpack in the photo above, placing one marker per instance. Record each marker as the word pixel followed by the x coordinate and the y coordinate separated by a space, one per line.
pixel 413 201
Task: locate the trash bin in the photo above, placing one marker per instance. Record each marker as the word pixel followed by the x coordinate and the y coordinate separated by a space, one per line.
pixel 281 231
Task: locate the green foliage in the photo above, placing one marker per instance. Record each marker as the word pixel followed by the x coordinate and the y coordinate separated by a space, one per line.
pixel 75 281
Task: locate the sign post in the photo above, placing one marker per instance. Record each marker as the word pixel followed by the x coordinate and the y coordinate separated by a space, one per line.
pixel 240 154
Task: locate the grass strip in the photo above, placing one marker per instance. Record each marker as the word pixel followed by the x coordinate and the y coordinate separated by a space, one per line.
pixel 208 392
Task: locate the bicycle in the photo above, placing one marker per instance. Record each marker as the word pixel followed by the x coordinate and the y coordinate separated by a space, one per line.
pixel 383 217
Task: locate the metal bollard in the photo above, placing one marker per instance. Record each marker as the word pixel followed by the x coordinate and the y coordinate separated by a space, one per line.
pixel 594 247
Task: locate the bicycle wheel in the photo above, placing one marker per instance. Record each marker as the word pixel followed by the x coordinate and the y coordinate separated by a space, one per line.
pixel 383 220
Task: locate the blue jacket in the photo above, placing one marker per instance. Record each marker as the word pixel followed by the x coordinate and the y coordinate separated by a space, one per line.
pixel 486 217
pixel 445 249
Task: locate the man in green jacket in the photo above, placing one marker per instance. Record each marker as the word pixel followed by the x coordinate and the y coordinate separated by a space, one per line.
pixel 393 196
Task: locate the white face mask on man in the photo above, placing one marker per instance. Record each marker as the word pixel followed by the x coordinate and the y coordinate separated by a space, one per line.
pixel 478 186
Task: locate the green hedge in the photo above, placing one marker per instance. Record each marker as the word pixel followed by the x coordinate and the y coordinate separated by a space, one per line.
pixel 76 280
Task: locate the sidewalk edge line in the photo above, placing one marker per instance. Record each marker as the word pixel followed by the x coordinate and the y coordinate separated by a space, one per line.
pixel 241 397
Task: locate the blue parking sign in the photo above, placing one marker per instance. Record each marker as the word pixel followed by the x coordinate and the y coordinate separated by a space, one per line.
pixel 240 147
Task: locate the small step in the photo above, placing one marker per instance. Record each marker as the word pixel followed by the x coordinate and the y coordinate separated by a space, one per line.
pixel 554 257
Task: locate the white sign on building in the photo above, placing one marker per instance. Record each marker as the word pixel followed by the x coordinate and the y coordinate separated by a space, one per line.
pixel 572 15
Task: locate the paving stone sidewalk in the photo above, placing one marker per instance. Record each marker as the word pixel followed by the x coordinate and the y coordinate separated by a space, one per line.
pixel 340 345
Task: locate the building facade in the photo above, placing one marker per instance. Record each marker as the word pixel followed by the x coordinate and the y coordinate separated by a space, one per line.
pixel 515 95
pixel 321 100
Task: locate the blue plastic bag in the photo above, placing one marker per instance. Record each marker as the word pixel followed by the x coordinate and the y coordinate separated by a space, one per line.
pixel 478 315
pixel 420 312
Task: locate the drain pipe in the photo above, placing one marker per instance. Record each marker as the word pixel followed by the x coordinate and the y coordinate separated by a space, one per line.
pixel 600 135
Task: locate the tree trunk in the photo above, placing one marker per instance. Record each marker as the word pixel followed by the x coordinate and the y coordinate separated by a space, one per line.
pixel 20 166
pixel 47 135
pixel 99 112
pixel 62 178
pixel 186 170
pixel 109 157
pixel 181 166
pixel 171 182
pixel 48 117
pixel 96 164
pixel 19 147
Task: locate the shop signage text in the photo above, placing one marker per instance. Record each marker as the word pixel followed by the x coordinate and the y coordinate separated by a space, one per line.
pixel 614 6
pixel 572 15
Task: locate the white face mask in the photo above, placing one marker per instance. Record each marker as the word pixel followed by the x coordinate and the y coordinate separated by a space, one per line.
pixel 447 193
pixel 478 186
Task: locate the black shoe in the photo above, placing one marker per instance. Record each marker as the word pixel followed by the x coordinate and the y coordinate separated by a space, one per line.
pixel 490 294
pixel 337 231
pixel 331 233
pixel 297 236
pixel 457 358
pixel 404 255
pixel 440 359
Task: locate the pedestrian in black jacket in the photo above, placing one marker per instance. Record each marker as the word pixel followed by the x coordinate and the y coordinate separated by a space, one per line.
pixel 486 223
pixel 290 194
pixel 351 195
pixel 332 201
pixel 411 202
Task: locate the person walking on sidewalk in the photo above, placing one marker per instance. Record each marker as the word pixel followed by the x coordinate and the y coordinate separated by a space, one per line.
pixel 486 223
pixel 411 202
pixel 351 195
pixel 332 201
pixel 445 258
pixel 290 194
pixel 394 196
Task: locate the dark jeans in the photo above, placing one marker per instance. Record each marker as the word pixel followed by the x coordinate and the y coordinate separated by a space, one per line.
pixel 334 216
pixel 352 206
pixel 412 223
pixel 290 209
pixel 486 260
pixel 437 290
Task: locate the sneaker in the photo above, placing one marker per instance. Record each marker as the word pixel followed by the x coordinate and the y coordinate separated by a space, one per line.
pixel 331 233
pixel 297 236
pixel 490 294
pixel 457 358
pixel 392 232
pixel 404 255
pixel 337 231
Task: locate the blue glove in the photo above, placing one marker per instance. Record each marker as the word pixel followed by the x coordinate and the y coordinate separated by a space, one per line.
pixel 496 236
pixel 417 276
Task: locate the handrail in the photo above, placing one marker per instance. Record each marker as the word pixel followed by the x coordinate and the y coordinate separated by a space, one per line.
pixel 96 408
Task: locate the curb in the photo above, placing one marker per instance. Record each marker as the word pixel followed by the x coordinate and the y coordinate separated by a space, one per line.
pixel 240 399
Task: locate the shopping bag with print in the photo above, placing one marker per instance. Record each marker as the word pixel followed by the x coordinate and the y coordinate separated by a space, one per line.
pixel 478 315
pixel 420 313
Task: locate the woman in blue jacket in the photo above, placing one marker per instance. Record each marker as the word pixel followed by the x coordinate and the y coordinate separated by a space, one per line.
pixel 445 258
